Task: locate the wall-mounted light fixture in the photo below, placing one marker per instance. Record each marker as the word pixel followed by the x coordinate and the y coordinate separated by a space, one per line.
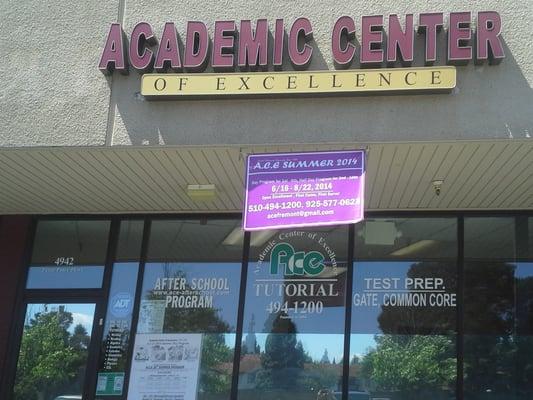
pixel 415 248
pixel 202 192
pixel 258 239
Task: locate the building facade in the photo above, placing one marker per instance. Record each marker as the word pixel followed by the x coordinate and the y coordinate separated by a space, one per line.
pixel 126 273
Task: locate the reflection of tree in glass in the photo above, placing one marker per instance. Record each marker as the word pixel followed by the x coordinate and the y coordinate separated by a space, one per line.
pixel 499 330
pixel 523 341
pixel 422 320
pixel 51 359
pixel 249 344
pixel 80 339
pixel 325 358
pixel 411 366
pixel 283 359
pixel 406 363
pixel 216 355
pixel 489 298
pixel 286 366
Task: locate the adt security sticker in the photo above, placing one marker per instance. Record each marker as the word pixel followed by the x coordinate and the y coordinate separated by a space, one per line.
pixel 121 304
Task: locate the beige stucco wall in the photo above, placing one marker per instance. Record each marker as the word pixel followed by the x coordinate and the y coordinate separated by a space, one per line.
pixel 52 93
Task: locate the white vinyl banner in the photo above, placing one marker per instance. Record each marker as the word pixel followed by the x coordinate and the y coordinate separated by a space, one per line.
pixel 165 366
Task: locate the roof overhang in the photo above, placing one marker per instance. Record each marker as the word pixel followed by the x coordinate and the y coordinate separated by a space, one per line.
pixel 476 175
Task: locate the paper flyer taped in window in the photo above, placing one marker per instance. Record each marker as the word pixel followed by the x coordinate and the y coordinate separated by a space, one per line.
pixel 151 316
pixel 165 366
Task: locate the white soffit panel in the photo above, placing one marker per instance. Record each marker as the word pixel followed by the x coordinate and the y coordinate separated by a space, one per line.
pixel 489 175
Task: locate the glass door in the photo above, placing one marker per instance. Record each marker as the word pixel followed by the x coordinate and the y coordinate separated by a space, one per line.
pixel 55 351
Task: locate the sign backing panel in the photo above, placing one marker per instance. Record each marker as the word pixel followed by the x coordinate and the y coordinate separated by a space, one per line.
pixel 362 81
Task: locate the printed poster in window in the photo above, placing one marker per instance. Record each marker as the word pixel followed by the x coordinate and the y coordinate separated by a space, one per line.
pixel 165 367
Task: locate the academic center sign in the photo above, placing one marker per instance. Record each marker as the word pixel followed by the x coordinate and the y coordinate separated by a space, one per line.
pixel 258 51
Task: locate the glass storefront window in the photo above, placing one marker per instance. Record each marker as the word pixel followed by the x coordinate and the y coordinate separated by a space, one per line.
pixel 403 328
pixel 68 254
pixel 54 351
pixel 293 338
pixel 498 304
pixel 188 313
pixel 404 303
pixel 490 238
pixel 406 239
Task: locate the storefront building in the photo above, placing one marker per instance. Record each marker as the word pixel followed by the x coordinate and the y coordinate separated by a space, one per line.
pixel 124 156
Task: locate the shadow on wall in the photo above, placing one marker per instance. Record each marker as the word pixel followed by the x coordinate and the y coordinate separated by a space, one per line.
pixel 490 101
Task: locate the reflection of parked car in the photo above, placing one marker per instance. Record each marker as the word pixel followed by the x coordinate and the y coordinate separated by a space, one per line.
pixel 68 397
pixel 353 395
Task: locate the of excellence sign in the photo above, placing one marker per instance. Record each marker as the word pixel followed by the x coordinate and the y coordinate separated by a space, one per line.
pixel 304 189
pixel 399 80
